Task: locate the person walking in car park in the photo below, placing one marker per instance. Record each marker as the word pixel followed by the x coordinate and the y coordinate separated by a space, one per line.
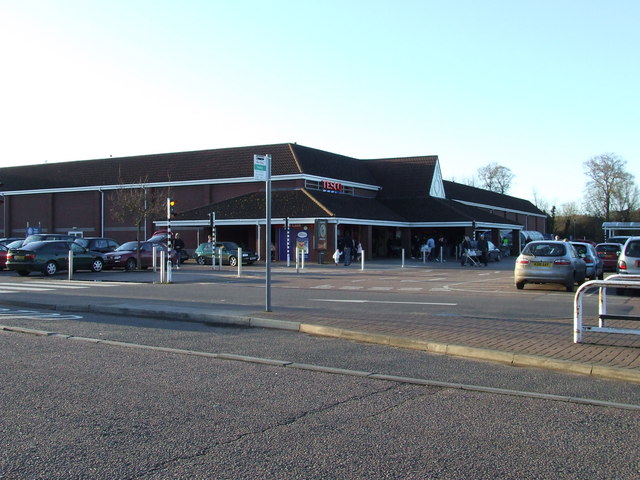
pixel 348 246
pixel 178 246
pixel 431 247
pixel 336 256
pixel 465 246
pixel 483 246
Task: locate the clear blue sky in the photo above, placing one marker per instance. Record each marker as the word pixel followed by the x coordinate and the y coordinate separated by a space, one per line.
pixel 536 86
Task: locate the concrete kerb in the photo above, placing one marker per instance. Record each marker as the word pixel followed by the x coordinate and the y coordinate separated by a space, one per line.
pixel 476 353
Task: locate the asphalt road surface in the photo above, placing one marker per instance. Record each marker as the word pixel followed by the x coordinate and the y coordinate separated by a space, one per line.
pixel 107 397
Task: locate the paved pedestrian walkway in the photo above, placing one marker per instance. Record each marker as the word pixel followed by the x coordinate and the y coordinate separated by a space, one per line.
pixel 540 343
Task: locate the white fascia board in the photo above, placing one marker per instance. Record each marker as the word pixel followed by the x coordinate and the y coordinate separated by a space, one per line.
pixel 185 183
pixel 495 207
pixel 338 221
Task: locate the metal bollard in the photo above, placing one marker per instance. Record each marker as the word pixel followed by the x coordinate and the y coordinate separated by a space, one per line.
pixel 239 261
pixel 403 258
pixel 362 260
pixel 155 258
pixel 70 264
pixel 163 268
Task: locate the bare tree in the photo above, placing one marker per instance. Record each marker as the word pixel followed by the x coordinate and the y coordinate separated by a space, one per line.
pixel 609 185
pixel 135 203
pixel 495 178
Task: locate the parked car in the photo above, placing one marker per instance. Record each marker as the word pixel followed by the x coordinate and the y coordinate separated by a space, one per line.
pixel 14 244
pixel 3 256
pixel 493 255
pixel 609 252
pixel 621 239
pixel 40 237
pixel 629 259
pixel 98 244
pixel 160 236
pixel 126 255
pixel 549 261
pixel 50 256
pixel 8 240
pixel 595 265
pixel 229 254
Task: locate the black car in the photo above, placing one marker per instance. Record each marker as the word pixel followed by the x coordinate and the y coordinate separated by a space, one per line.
pixel 41 237
pixel 98 244
pixel 50 256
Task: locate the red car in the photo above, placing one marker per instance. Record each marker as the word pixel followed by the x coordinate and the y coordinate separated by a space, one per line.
pixel 609 253
pixel 126 256
pixel 3 256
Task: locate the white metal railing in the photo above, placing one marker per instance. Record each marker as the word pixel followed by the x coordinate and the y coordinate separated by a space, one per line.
pixel 614 281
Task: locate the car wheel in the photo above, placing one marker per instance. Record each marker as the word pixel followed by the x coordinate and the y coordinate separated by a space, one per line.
pixel 130 264
pixel 23 273
pixel 201 260
pixel 601 276
pixel 570 287
pixel 498 257
pixel 50 268
pixel 519 285
pixel 233 261
pixel 97 265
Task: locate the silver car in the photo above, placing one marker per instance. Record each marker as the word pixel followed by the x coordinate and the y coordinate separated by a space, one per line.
pixel 549 261
pixel 595 265
pixel 629 258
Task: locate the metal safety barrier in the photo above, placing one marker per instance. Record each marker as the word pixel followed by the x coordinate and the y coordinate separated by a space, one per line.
pixel 614 281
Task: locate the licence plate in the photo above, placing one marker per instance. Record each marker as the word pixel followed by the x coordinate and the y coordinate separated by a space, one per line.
pixel 542 264
pixel 18 257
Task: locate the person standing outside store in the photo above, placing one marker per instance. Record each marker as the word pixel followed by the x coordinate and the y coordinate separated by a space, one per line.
pixel 483 246
pixel 178 246
pixel 348 246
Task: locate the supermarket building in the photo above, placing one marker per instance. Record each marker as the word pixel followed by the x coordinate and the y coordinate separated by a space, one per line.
pixel 387 204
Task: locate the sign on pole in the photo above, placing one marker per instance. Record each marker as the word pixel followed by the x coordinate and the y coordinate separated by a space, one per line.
pixel 260 167
pixel 262 171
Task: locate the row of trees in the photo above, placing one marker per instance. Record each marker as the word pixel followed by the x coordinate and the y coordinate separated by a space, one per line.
pixel 611 194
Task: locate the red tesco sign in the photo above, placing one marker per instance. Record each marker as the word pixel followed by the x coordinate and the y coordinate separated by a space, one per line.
pixel 332 186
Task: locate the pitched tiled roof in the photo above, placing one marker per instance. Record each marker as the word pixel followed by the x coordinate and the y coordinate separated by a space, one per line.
pixel 438 210
pixel 237 162
pixel 295 203
pixel 403 177
pixel 459 191
pixel 164 167
pixel 331 165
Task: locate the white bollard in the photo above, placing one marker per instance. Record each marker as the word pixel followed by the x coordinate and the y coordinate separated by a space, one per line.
pixel 155 258
pixel 239 262
pixel 70 265
pixel 362 260
pixel 163 268
pixel 403 258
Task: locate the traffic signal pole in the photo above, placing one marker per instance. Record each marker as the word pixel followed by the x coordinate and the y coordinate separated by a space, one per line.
pixel 170 213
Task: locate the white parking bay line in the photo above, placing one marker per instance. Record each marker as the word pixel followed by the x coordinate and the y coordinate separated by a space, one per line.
pixel 381 301
pixel 33 285
pixel 323 286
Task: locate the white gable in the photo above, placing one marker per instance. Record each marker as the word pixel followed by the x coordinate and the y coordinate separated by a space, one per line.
pixel 437 187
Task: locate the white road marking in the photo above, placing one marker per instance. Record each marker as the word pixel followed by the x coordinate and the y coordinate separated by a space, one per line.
pixel 386 302
pixel 20 288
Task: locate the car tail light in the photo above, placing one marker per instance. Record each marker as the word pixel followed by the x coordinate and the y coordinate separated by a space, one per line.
pixel 562 262
pixel 588 260
pixel 523 261
pixel 622 265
